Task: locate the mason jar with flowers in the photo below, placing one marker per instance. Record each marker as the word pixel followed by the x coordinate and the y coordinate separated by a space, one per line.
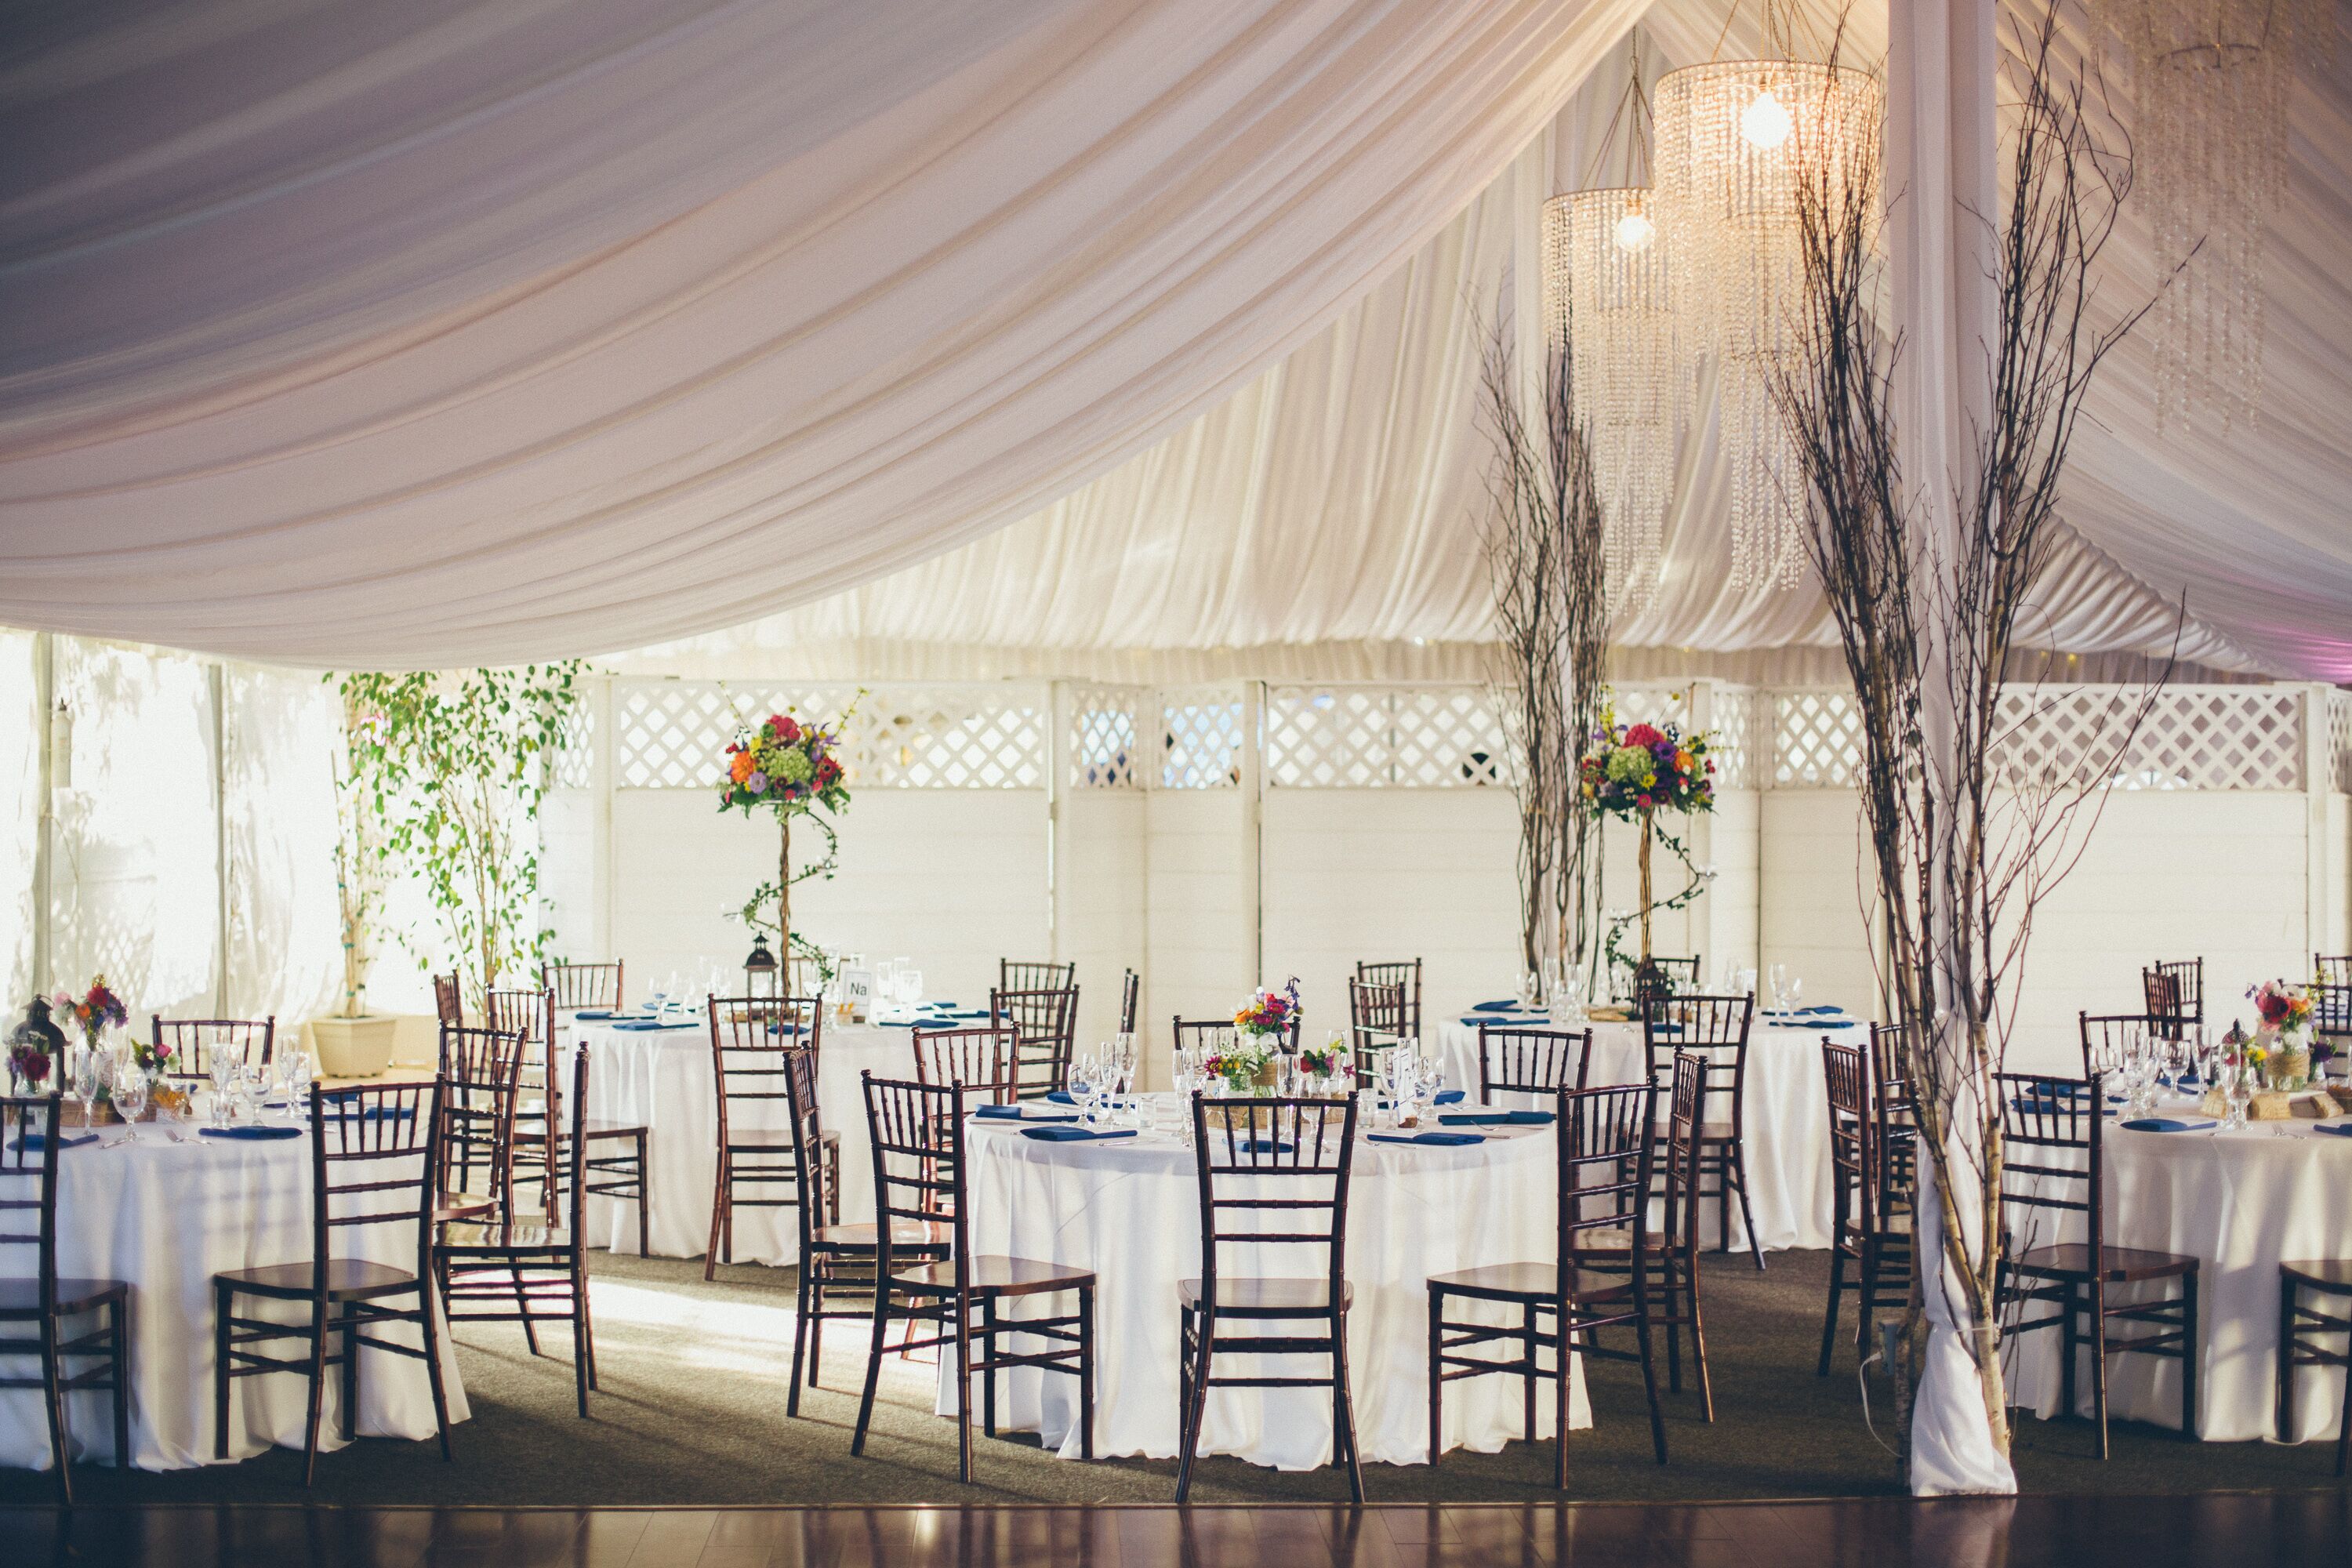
pixel 2284 1035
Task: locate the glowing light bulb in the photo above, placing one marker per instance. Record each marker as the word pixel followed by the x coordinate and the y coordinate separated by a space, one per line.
pixel 1635 231
pixel 1765 122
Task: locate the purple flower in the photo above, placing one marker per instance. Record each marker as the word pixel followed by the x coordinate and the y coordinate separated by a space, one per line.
pixel 757 784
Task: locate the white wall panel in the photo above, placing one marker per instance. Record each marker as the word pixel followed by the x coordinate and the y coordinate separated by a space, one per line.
pixel 1203 963
pixel 1101 920
pixel 1812 858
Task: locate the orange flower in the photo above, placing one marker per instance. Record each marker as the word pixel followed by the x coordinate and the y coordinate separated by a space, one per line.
pixel 741 769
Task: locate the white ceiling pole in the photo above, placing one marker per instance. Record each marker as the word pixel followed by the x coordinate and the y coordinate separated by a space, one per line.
pixel 1940 135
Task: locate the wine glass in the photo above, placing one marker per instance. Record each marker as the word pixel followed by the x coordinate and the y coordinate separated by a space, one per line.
pixel 1777 977
pixel 131 1095
pixel 1530 986
pixel 89 1076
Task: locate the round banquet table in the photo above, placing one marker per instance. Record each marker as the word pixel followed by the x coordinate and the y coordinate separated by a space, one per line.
pixel 661 1079
pixel 1128 1209
pixel 1789 1182
pixel 2241 1203
pixel 164 1217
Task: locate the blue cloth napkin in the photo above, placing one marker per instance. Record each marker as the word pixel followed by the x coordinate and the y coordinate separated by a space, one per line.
pixel 1014 1113
pixel 599 1012
pixel 1062 1097
pixel 35 1142
pixel 335 1112
pixel 1824 1008
pixel 1267 1145
pixel 1665 1028
pixel 1073 1134
pixel 1442 1140
pixel 255 1133
pixel 1449 1096
pixel 1497 1119
pixel 2166 1124
pixel 1477 1018
pixel 1493 1006
pixel 2341 1129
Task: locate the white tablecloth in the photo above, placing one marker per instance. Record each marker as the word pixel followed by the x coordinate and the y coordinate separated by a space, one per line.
pixel 1788 1147
pixel 164 1217
pixel 2242 1203
pixel 1129 1210
pixel 662 1081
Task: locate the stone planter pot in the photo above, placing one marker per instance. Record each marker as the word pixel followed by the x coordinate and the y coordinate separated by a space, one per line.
pixel 353 1047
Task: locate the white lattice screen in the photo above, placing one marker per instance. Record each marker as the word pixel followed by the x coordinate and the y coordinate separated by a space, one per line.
pixel 1816 739
pixel 1106 736
pixel 575 749
pixel 2188 737
pixel 672 733
pixel 1742 741
pixel 2339 736
pixel 1362 737
pixel 1200 731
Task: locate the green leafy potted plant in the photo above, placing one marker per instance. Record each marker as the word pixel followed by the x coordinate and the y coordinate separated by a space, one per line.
pixel 354 1042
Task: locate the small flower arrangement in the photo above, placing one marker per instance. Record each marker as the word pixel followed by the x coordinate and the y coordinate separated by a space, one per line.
pixel 99 1010
pixel 1633 769
pixel 153 1058
pixel 2283 1008
pixel 28 1064
pixel 2288 1052
pixel 1330 1059
pixel 786 764
pixel 1270 1013
pixel 1239 1064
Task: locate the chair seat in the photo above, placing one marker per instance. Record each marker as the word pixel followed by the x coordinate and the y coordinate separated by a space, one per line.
pixel 774 1142
pixel 866 1237
pixel 1502 1280
pixel 1269 1298
pixel 524 1233
pixel 22 1297
pixel 995 1277
pixel 347 1279
pixel 593 1128
pixel 449 1207
pixel 2323 1274
pixel 2117 1265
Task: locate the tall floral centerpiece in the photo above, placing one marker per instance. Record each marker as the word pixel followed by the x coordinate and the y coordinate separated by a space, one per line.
pixel 1268 1016
pixel 789 768
pixel 2284 1035
pixel 1634 772
pixel 96 1011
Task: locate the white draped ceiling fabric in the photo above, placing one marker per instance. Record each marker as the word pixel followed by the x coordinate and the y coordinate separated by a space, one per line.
pixel 447 333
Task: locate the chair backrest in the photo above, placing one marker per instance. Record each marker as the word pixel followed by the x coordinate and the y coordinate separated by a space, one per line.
pixel 1606 1167
pixel 1853 1166
pixel 1658 975
pixel 480 1071
pixel 1713 1027
pixel 29 1189
pixel 917 1133
pixel 1130 989
pixel 1283 1166
pixel 2106 1035
pixel 577 985
pixel 375 1160
pixel 449 1001
pixel 2175 993
pixel 750 1037
pixel 1014 975
pixel 808 1143
pixel 1405 974
pixel 1890 1074
pixel 1377 1015
pixel 985 1060
pixel 2331 1010
pixel 2051 1162
pixel 1047 1023
pixel 1685 1113
pixel 1532 1061
pixel 195 1041
pixel 1214 1036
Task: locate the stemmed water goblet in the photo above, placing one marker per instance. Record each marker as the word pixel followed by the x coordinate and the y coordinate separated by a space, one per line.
pixel 89 1077
pixel 130 1094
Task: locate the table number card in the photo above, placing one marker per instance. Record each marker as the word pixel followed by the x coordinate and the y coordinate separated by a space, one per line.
pixel 857 991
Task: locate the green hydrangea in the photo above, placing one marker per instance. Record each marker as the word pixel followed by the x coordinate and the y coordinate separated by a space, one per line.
pixel 794 766
pixel 1631 765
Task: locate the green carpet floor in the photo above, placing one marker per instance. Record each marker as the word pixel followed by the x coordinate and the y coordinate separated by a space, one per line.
pixel 692 1412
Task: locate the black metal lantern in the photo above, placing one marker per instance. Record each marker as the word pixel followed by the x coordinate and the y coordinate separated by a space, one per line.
pixel 39 1032
pixel 762 973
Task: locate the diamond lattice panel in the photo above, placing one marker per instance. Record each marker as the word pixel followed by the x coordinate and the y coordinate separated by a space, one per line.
pixel 1381 737
pixel 1201 735
pixel 672 733
pixel 575 754
pixel 2339 737
pixel 1817 739
pixel 2192 737
pixel 1106 727
pixel 1735 746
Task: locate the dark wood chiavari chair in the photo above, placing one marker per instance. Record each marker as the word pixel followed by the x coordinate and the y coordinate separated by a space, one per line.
pixel 1605 1178
pixel 1671 1260
pixel 529 1269
pixel 2106 1035
pixel 480 1069
pixel 1870 1207
pixel 1047 1022
pixel 1376 1015
pixel 1716 1027
pixel 749 1038
pixel 2302 1330
pixel 2331 1009
pixel 2175 993
pixel 835 1259
pixel 31 1136
pixel 1890 1091
pixel 578 985
pixel 919 1178
pixel 1516 1060
pixel 195 1041
pixel 1405 974
pixel 2053 1152
pixel 1012 975
pixel 1130 989
pixel 449 1001
pixel 1656 976
pixel 531 1015
pixel 1261 1147
pixel 374 1161
pixel 614 1163
pixel 985 1060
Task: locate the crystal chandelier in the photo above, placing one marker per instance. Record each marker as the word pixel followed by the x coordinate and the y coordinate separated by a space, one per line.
pixel 1729 135
pixel 1607 279
pixel 2210 83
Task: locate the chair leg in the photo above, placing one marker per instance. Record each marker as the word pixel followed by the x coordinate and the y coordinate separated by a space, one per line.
pixel 1204 1330
pixel 718 1219
pixel 644 1246
pixel 2344 1421
pixel 963 1387
pixel 2069 1330
pixel 1670 1282
pixel 222 1300
pixel 119 1356
pixel 1086 1372
pixel 1527 1380
pixel 522 1308
pixel 800 1337
pixel 53 1395
pixel 1649 1366
pixel 1346 1406
pixel 317 1392
pixel 2282 1367
pixel 873 1363
pixel 988 1370
pixel 581 1365
pixel 350 1384
pixel 2188 1356
pixel 431 1325
pixel 2098 1337
pixel 1829 1321
pixel 1437 1375
pixel 1698 1342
